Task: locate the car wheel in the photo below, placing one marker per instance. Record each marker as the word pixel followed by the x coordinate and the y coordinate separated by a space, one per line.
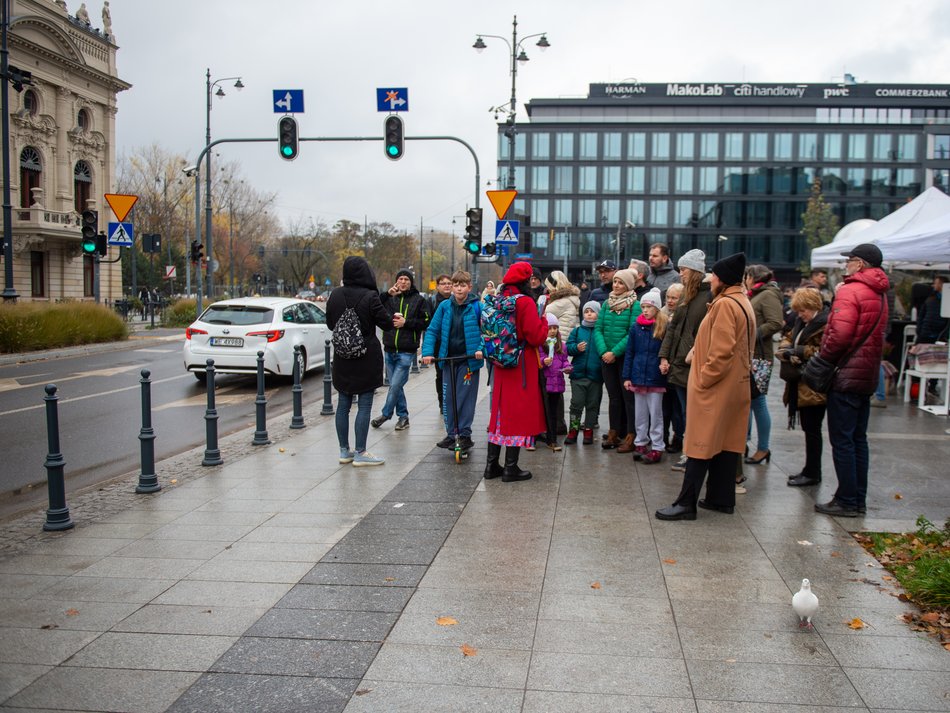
pixel 302 361
pixel 201 376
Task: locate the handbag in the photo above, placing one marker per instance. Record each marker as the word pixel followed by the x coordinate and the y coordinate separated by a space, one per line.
pixel 761 374
pixel 819 373
pixel 754 390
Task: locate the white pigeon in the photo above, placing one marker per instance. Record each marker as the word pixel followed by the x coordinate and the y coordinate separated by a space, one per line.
pixel 805 604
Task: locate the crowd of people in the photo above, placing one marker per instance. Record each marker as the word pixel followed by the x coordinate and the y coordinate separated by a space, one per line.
pixel 685 357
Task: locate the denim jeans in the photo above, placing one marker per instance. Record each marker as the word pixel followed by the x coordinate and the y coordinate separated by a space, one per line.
pixel 397 373
pixel 364 411
pixel 881 394
pixel 848 432
pixel 763 422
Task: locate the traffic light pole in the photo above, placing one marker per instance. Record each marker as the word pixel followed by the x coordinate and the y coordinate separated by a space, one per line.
pixel 207 149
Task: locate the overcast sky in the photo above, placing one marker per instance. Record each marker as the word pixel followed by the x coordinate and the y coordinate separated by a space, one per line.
pixel 340 52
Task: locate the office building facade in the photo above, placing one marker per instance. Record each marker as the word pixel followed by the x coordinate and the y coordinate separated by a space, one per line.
pixel 691 164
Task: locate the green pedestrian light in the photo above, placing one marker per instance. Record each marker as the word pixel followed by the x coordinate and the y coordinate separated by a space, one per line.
pixel 473 231
pixel 287 142
pixel 393 136
pixel 90 228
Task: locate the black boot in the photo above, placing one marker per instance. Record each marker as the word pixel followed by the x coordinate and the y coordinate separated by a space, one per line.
pixel 512 471
pixel 493 469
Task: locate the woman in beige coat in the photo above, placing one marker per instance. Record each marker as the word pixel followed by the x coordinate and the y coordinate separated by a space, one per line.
pixel 563 302
pixel 718 397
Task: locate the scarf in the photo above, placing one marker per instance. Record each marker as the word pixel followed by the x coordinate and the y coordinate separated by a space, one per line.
pixel 589 325
pixel 755 288
pixel 619 303
pixel 644 322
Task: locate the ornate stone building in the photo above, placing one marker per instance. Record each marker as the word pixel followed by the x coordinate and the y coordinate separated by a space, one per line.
pixel 62 148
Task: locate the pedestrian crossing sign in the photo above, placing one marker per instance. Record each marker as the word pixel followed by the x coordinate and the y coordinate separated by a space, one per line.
pixel 121 234
pixel 506 232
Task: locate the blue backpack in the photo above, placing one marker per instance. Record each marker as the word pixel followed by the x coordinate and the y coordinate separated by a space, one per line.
pixel 499 331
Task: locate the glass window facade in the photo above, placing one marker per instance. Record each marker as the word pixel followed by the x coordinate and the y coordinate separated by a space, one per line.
pixel 733 146
pixel 541 145
pixel 564 143
pixel 610 179
pixel 709 146
pixel 684 179
pixel 660 179
pixel 563 179
pixel 540 179
pixel 758 146
pixel 588 144
pixel 660 146
pixel 783 146
pixel 587 179
pixel 637 146
pixel 612 145
pixel 636 179
pixel 807 147
pixel 685 147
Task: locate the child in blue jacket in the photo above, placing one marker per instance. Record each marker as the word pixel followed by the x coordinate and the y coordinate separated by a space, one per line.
pixel 641 375
pixel 587 378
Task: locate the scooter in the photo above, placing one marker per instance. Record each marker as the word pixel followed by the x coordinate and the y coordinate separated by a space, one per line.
pixel 460 452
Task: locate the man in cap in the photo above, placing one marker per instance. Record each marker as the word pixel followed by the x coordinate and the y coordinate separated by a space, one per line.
pixel 718 396
pixel 854 341
pixel 606 271
pixel 410 315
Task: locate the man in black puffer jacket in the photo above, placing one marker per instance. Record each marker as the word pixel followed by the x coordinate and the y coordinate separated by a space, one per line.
pixel 410 313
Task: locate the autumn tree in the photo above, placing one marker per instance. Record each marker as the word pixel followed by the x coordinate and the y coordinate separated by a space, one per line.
pixel 819 223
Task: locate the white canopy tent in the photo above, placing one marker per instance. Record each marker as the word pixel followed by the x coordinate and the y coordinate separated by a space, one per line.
pixel 916 236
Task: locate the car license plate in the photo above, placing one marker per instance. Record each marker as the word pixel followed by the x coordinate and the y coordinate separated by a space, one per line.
pixel 227 342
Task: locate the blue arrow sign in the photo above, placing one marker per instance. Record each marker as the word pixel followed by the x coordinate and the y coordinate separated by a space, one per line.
pixel 392 99
pixel 506 232
pixel 121 234
pixel 288 101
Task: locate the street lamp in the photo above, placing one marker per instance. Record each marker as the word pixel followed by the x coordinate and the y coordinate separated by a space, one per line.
pixel 719 241
pixel 620 228
pixel 209 85
pixel 516 48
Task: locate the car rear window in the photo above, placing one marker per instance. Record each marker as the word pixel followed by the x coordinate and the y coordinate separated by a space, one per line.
pixel 237 314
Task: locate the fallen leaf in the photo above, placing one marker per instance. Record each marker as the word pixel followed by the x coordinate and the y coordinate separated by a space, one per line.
pixel 362 691
pixel 670 561
pixel 806 543
pixel 280 450
pixel 898 496
pixel 389 579
pixel 50 626
pixel 446 621
pixel 173 481
pixel 947 646
pixel 72 612
pixel 886 578
pixel 595 585
pixel 835 554
pixel 468 650
pixel 730 660
pixel 930 617
pixel 856 624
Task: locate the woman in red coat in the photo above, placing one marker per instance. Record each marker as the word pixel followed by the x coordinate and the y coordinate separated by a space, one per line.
pixel 517 411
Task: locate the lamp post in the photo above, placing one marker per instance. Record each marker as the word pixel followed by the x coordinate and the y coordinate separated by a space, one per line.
pixel 209 85
pixel 9 291
pixel 620 227
pixel 720 239
pixel 517 55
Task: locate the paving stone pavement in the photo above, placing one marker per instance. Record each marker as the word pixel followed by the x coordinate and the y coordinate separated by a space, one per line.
pixel 284 581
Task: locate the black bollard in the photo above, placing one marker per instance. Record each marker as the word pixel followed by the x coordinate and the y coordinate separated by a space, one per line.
pixel 327 409
pixel 212 453
pixel 151 309
pixel 260 435
pixel 297 420
pixel 148 481
pixel 57 516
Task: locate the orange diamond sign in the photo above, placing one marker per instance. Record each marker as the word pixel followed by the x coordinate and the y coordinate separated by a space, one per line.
pixel 121 204
pixel 501 201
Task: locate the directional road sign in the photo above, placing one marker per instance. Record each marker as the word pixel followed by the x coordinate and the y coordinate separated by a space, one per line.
pixel 288 101
pixel 502 249
pixel 121 204
pixel 121 234
pixel 523 256
pixel 392 99
pixel 506 232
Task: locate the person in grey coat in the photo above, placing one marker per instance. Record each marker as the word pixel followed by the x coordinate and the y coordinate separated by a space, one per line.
pixel 662 273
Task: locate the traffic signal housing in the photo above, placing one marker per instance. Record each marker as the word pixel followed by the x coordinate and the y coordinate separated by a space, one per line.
pixel 394 139
pixel 473 231
pixel 287 142
pixel 196 251
pixel 89 224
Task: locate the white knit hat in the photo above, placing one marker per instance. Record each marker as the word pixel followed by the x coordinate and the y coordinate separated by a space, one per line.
pixel 694 260
pixel 652 298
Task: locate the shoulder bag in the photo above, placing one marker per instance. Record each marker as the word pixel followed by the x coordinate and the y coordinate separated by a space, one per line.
pixel 819 373
pixel 754 377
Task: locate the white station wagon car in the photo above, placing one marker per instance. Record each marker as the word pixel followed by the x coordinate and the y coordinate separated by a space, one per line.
pixel 232 332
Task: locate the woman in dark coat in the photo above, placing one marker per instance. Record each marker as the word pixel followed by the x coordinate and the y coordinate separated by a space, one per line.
pixel 809 406
pixel 356 379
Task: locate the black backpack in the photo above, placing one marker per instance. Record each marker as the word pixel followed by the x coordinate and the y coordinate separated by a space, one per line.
pixel 348 341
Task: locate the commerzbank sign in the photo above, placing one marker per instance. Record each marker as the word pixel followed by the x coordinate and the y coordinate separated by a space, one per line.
pixel 727 90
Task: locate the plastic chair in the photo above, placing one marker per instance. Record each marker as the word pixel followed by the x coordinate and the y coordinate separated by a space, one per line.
pixel 910 336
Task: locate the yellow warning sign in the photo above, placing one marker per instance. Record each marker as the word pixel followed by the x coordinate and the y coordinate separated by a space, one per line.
pixel 501 201
pixel 121 204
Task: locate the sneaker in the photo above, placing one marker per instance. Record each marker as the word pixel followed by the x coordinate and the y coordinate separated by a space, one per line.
pixel 680 465
pixel 571 437
pixel 346 456
pixel 378 421
pixel 366 459
pixel 532 447
pixel 554 446
pixel 403 423
pixel 640 451
pixel 878 403
pixel 588 436
pixel 465 443
pixel 740 489
pixel 447 442
pixel 651 457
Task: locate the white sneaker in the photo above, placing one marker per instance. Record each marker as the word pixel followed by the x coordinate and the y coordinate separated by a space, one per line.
pixel 366 459
pixel 346 456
